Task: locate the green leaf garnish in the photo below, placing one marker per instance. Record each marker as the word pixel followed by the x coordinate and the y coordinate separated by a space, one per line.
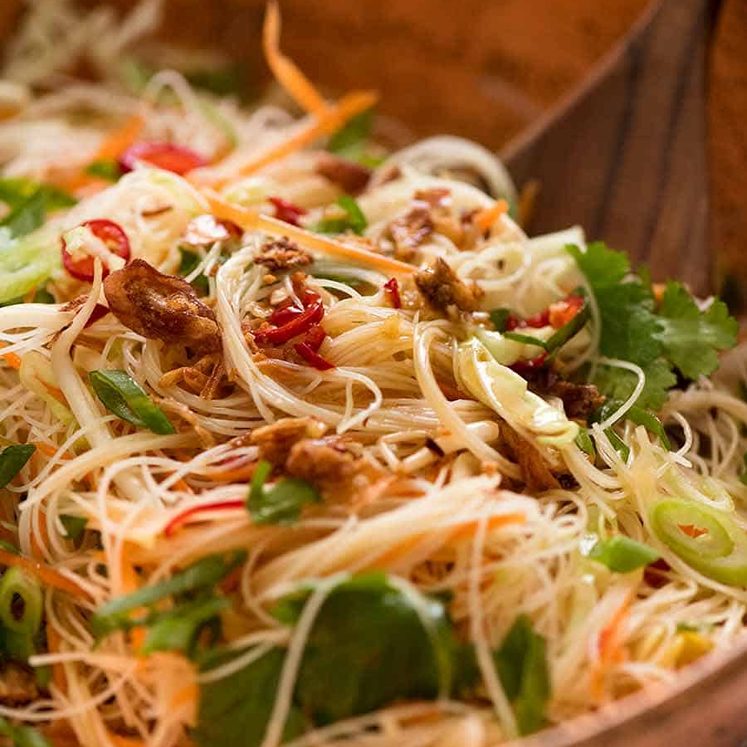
pixel 106 168
pixel 123 396
pixel 521 662
pixel 12 460
pixel 280 503
pixel 676 336
pixel 353 219
pixel 622 554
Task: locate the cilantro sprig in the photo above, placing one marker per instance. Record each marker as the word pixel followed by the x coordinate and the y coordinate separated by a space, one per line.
pixel 666 339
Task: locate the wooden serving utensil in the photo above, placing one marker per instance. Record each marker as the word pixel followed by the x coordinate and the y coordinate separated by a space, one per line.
pixel 624 155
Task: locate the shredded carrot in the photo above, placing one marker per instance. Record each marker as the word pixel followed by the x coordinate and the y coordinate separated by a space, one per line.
pixel 119 741
pixel 121 139
pixel 335 116
pixel 49 450
pixel 487 216
pixel 58 671
pixel 233 475
pixel 13 360
pixel 611 650
pixel 251 221
pixel 36 544
pixel 113 145
pixel 298 86
pixel 55 392
pixel 44 573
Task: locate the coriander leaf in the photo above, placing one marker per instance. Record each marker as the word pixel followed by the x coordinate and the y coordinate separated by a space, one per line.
pixel 350 140
pixel 74 526
pixel 601 265
pixel 106 168
pixel 14 191
pixel 353 219
pixel 12 460
pixel 234 710
pixel 691 338
pixel 521 662
pixel 280 503
pixel 622 554
pixel 25 217
pixel 617 383
pixel 368 647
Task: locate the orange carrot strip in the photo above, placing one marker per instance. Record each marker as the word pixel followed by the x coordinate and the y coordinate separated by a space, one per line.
pixel 121 139
pixel 290 77
pixel 486 217
pixel 119 741
pixel 13 360
pixel 335 116
pixel 610 649
pixel 44 573
pixel 251 221
pixel 113 145
pixel 49 450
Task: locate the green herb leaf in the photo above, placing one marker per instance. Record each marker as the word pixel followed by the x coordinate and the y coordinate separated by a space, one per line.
pixel 354 220
pixel 22 736
pixel 351 140
pixel 178 629
pixel 29 203
pixel 203 574
pixel 12 459
pixel 691 338
pixel 123 396
pixel 585 442
pixel 234 711
pixel 74 526
pixel 521 662
pixel 187 264
pixel 368 647
pixel 227 80
pixel 106 168
pixel 499 318
pixel 622 554
pixel 678 336
pixel 280 503
pixel 525 339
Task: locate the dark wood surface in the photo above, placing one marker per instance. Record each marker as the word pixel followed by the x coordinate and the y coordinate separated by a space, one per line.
pixel 625 155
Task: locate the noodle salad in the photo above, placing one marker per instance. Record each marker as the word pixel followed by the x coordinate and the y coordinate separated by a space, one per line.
pixel 305 442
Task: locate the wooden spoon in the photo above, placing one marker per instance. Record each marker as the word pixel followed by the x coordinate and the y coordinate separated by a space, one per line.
pixel 624 155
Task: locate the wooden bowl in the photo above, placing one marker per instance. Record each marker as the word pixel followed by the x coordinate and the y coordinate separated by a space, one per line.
pixel 484 69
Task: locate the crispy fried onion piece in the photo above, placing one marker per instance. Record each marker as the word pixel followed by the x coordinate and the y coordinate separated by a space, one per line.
pixel 161 307
pixel 442 288
pixel 534 468
pixel 282 254
pixel 332 464
pixel 206 378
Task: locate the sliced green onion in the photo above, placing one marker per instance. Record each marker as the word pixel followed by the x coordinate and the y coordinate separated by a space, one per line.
pixel 618 444
pixel 585 442
pixel 707 539
pixel 569 330
pixel 499 318
pixel 177 630
pixel 353 220
pixel 74 526
pixel 187 264
pixel 525 339
pixel 280 503
pixel 21 602
pixel 636 415
pixel 22 736
pixel 622 554
pixel 12 459
pixel 123 396
pixel 106 168
pixel 204 573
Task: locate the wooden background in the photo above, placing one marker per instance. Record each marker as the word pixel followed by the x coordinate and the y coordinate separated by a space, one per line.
pixel 484 69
